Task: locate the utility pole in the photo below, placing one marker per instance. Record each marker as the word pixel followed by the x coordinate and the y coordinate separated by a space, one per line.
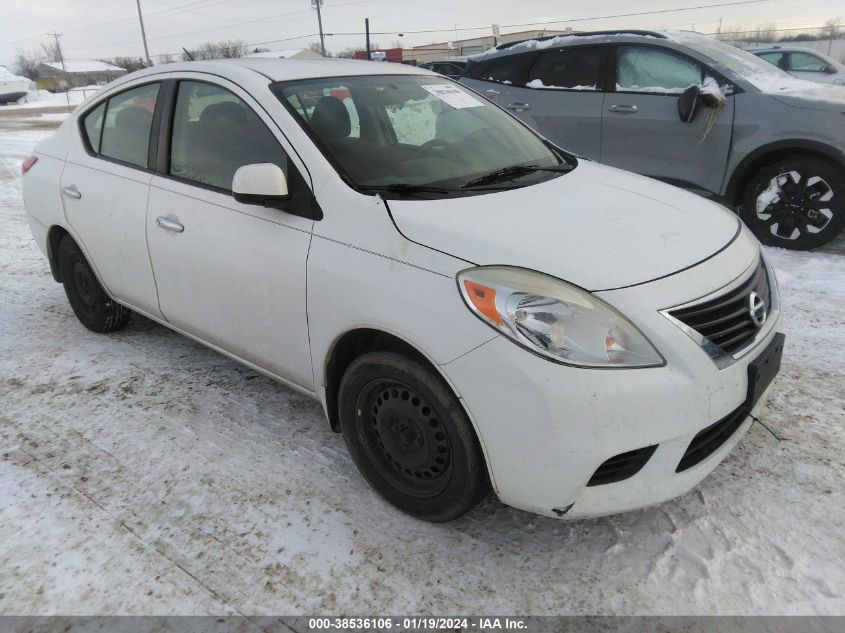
pixel 367 31
pixel 143 33
pixel 317 3
pixel 719 30
pixel 64 70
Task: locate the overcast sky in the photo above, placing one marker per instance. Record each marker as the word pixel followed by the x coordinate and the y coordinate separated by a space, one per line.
pixel 105 28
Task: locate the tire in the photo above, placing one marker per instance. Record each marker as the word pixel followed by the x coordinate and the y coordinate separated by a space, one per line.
pixel 796 203
pixel 90 303
pixel 410 437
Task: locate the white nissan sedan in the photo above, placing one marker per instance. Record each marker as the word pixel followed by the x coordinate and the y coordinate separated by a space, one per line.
pixel 474 307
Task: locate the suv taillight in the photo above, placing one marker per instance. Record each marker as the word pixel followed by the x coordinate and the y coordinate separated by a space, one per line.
pixel 28 163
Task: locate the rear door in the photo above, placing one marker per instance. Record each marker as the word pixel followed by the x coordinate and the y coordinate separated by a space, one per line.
pixel 563 98
pixel 105 184
pixel 231 274
pixel 641 128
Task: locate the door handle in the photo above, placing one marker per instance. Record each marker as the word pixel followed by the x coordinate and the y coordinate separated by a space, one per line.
pixel 518 106
pixel 71 192
pixel 170 225
pixel 624 108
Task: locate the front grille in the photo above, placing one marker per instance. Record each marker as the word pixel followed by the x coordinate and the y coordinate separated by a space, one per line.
pixel 621 466
pixel 726 320
pixel 710 439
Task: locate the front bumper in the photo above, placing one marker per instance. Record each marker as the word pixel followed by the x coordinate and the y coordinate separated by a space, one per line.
pixel 545 428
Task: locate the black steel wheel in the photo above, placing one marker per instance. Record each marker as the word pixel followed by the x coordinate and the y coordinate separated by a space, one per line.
pixel 410 437
pixel 797 203
pixel 90 303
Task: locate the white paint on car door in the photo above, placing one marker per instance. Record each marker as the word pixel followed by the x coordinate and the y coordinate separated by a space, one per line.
pixel 229 273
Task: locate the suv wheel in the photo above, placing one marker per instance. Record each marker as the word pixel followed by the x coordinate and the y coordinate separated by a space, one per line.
pixel 410 438
pixel 796 203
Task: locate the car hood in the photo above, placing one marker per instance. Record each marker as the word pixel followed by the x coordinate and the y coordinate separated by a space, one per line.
pixel 595 227
pixel 804 94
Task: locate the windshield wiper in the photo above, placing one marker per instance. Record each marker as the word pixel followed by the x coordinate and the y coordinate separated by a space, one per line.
pixel 406 188
pixel 510 173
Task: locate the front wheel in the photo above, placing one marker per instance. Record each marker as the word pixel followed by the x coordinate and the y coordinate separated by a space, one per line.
pixel 410 438
pixel 796 203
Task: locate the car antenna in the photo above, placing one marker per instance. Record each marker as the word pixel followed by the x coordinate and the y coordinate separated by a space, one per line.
pixel 190 57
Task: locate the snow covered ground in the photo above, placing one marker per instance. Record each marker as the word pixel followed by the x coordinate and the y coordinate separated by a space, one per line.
pixel 143 473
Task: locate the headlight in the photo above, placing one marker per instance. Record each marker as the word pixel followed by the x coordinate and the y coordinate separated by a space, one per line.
pixel 555 319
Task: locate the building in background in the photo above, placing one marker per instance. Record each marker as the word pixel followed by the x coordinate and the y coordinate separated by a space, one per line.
pixel 463 48
pixel 382 55
pixel 52 77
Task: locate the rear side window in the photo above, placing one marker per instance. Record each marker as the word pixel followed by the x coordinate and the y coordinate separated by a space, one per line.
pixel 126 127
pixel 573 68
pixel 645 69
pixel 214 133
pixel 778 59
pixel 94 126
pixel 508 69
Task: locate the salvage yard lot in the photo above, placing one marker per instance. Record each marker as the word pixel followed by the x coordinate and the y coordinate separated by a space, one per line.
pixel 143 473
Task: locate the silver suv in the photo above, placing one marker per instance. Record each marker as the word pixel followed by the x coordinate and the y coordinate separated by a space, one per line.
pixel 691 111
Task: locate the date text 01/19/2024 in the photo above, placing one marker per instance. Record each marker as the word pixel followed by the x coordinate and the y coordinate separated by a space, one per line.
pixel 418 623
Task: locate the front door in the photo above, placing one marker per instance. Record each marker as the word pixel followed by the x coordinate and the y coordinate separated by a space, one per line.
pixel 642 130
pixel 230 273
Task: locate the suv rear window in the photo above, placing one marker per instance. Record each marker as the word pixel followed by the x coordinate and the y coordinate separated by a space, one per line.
pixel 508 69
pixel 576 68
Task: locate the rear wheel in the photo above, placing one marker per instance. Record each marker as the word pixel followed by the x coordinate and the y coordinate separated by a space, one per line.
pixel 90 303
pixel 410 437
pixel 796 203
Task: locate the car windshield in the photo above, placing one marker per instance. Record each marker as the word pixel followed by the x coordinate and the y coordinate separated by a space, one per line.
pixel 417 133
pixel 758 71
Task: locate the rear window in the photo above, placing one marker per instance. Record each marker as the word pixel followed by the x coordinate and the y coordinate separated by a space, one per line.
pixel 508 69
pixel 573 68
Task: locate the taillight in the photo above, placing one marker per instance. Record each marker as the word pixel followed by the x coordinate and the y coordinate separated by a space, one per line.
pixel 28 163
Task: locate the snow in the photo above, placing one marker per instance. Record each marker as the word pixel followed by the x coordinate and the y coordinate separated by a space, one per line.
pixel 141 472
pixel 8 75
pixel 538 83
pixel 86 67
pixel 44 99
pixel 560 40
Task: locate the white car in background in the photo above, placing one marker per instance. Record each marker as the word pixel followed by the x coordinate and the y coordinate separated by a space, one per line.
pixel 472 306
pixel 804 63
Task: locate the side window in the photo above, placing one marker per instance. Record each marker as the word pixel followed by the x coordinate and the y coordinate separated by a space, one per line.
pixel 508 69
pixel 215 133
pixel 644 69
pixel 126 127
pixel 778 59
pixel 94 126
pixel 573 68
pixel 806 63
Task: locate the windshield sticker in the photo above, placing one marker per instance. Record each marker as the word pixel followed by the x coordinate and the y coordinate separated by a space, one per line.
pixel 454 96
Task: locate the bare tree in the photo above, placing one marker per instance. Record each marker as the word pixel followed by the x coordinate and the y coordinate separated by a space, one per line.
pixel 217 50
pixel 260 49
pixel 129 64
pixel 832 28
pixel 315 47
pixel 26 63
pixel 51 51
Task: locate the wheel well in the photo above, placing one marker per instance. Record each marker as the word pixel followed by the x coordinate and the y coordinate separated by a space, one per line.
pixel 745 172
pixel 349 347
pixel 54 238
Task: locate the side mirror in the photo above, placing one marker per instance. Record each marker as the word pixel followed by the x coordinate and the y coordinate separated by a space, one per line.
pixel 261 183
pixel 830 70
pixel 688 104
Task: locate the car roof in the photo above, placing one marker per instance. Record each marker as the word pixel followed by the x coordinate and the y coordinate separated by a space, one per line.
pixel 290 69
